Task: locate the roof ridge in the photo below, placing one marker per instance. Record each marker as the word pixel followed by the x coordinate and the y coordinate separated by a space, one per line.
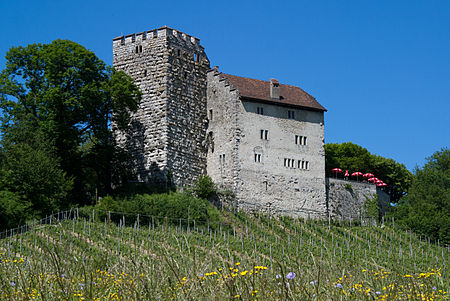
pixel 256 88
pixel 265 81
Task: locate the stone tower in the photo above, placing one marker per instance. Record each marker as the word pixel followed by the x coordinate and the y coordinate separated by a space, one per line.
pixel 167 133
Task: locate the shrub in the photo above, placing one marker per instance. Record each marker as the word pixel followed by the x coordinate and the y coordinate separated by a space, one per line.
pixel 371 207
pixel 204 187
pixel 173 206
pixel 349 187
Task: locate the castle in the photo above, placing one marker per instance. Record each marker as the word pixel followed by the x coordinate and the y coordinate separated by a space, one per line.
pixel 262 140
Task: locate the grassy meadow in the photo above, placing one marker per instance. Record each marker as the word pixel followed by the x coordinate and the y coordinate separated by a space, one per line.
pixel 96 255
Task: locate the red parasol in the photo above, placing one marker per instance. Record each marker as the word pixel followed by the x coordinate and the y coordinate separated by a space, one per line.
pixel 336 170
pixel 381 184
pixel 372 179
pixel 346 173
pixel 368 175
pixel 357 174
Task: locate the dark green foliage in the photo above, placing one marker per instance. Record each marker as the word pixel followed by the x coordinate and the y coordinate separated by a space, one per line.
pixel 426 208
pixel 349 187
pixel 13 210
pixel 204 187
pixel 371 207
pixel 65 95
pixel 346 156
pixel 31 170
pixel 172 205
pixel 130 189
pixel 352 157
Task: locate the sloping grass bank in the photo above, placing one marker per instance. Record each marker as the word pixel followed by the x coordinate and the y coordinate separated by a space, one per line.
pixel 102 255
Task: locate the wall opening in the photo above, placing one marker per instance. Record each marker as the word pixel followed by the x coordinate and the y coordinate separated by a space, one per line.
pixel 291 114
pixel 260 110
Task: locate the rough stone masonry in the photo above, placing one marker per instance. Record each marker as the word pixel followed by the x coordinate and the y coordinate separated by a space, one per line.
pixel 262 140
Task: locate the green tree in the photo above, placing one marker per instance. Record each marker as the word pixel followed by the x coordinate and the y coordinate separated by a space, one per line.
pixel 13 210
pixel 31 170
pixel 426 208
pixel 347 156
pixel 68 95
pixel 352 157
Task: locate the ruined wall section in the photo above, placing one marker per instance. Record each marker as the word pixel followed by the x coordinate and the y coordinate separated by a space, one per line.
pixel 186 107
pixel 223 134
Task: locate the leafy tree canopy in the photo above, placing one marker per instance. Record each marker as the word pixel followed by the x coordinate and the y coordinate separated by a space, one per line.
pixel 352 157
pixel 426 208
pixel 58 100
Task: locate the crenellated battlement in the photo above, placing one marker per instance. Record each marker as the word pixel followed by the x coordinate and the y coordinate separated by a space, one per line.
pixel 164 32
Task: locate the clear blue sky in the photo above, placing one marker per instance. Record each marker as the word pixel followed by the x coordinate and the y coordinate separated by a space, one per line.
pixel 381 68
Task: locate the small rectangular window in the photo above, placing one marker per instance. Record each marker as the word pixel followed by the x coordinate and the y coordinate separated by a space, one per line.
pixel 285 162
pixel 210 114
pixel 260 110
pixel 291 114
pixel 258 158
pixel 262 134
pixel 306 165
pixel 299 164
pixel 300 140
pixel 303 164
pixel 266 134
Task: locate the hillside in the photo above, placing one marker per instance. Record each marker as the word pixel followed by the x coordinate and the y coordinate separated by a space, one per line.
pixel 108 256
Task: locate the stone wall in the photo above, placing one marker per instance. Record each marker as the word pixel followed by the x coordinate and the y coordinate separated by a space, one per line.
pixel 168 130
pixel 346 199
pixel 268 185
pixel 223 134
pixel 186 108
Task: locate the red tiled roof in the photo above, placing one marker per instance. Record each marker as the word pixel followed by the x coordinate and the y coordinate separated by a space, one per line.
pixel 256 89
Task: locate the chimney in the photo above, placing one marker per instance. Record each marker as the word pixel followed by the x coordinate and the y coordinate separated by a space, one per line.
pixel 274 89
